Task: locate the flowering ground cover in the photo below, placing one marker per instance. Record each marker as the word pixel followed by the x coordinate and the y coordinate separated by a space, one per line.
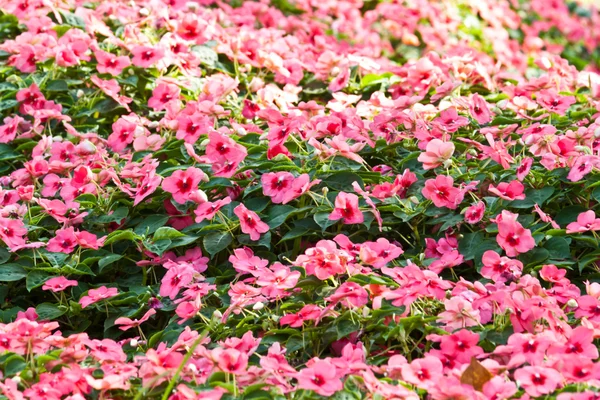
pixel 298 199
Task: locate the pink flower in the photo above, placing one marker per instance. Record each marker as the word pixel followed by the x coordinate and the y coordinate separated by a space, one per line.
pixel 145 56
pixel 508 191
pixel 109 63
pixel 586 221
pixel 321 377
pixel 450 121
pixel 524 168
pixel 250 222
pixel 346 208
pixel 582 166
pixel 223 148
pixel 350 294
pixel 500 269
pixel 442 192
pixel 128 323
pixel 96 295
pixel 58 284
pixel 379 253
pixel 309 312
pixel 64 241
pixel 475 213
pixel 276 185
pixel 513 238
pixel 436 153
pixel 178 276
pixel 208 210
pixel 423 372
pixel 552 101
pixel 538 381
pixel 123 131
pixel 12 232
pixel 480 110
pixel 182 184
pixel 459 314
pixel 162 95
pixel 231 361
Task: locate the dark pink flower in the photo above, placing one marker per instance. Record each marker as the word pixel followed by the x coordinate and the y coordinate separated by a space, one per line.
pixel 321 377
pixel 508 191
pixel 183 184
pixel 58 284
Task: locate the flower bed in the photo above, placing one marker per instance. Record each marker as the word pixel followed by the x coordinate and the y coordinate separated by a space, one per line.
pixel 297 199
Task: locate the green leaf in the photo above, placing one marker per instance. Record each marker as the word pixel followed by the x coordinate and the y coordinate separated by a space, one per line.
pixel 73 20
pixel 150 224
pixel 58 85
pixel 6 104
pixel 216 241
pixel 11 272
pixel 166 232
pixel 14 364
pixel 120 235
pixel 278 214
pixel 49 311
pixel 533 197
pixel 107 260
pixel 469 244
pixel 36 279
pixel 7 152
pixel 322 219
pixel 116 216
pixel 344 327
pixel 342 181
pixel 558 248
pixel 4 255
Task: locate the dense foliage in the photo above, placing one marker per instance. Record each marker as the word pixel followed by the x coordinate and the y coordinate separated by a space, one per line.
pixel 299 198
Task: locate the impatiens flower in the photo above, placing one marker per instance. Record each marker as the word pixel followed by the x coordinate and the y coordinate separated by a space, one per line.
pixel 250 222
pixel 309 312
pixel 554 102
pixel 231 361
pixel 321 377
pixel 208 210
pixel 582 166
pixel 479 109
pixel 586 221
pixel 450 121
pixel 178 276
pixel 350 294
pixel 524 168
pixel 276 185
pixel 145 56
pixel 436 153
pixel 442 192
pixel 162 95
pixel 109 63
pixel 379 253
pixel 459 314
pixel 127 323
pixel 423 372
pixel 346 208
pixel 58 284
pixel 508 191
pixel 182 184
pixel 538 381
pixel 12 232
pixel 513 238
pixel 475 213
pixel 96 295
pixel 500 269
pixel 64 241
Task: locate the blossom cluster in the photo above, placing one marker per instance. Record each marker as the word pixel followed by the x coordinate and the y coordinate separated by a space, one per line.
pixel 299 199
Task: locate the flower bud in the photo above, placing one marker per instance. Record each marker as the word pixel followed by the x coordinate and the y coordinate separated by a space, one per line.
pixel 144 12
pixel 16 379
pixel 153 125
pixel 572 303
pixel 335 71
pixel 258 306
pixel 79 93
pixel 133 342
pixel 366 311
pixel 217 315
pixel 414 200
pixel 447 163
